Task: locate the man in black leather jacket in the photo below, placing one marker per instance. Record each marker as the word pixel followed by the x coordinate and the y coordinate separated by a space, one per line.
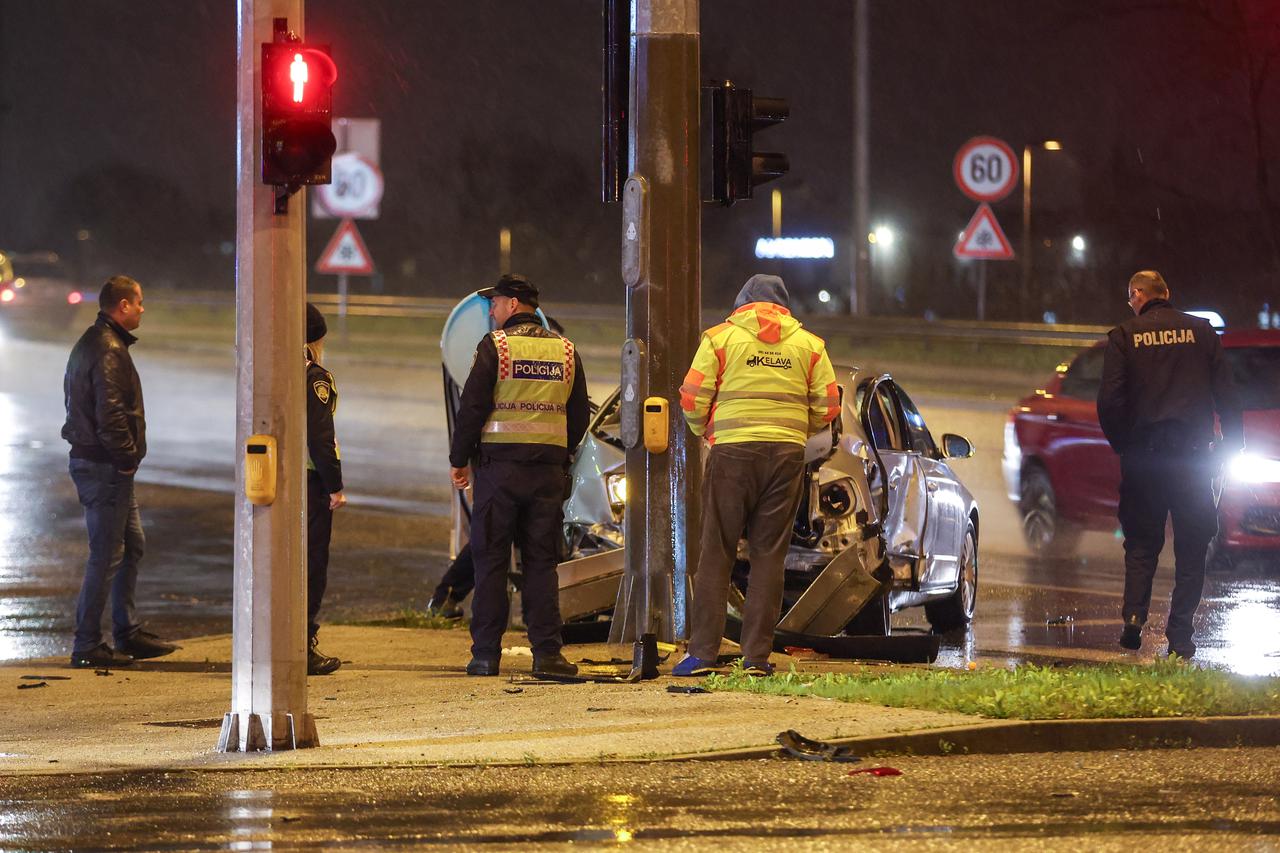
pixel 106 428
pixel 1163 377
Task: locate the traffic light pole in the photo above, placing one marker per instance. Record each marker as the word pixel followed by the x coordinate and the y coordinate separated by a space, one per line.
pixel 662 268
pixel 268 668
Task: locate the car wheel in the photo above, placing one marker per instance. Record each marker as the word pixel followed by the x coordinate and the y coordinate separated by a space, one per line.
pixel 956 610
pixel 1046 533
pixel 1219 559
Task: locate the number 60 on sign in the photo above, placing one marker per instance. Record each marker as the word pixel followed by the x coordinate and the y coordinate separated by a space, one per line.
pixel 985 169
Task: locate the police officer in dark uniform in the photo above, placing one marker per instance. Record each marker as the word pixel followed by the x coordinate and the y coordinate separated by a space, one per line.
pixel 522 414
pixel 1163 377
pixel 324 484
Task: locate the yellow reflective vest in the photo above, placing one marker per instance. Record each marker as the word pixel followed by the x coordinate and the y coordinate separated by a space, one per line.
pixel 759 376
pixel 535 377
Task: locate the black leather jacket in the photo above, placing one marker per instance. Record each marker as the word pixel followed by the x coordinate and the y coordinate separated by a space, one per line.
pixel 105 418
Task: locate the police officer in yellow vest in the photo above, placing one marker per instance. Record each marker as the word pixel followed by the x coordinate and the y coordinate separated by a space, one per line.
pixel 522 414
pixel 759 386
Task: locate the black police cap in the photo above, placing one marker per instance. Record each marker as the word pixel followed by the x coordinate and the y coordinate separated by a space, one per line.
pixel 516 286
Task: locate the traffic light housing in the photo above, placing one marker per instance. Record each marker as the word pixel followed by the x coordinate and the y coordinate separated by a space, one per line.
pixel 736 167
pixel 297 113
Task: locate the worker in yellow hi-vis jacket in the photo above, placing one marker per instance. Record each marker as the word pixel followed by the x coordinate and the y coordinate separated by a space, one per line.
pixel 758 387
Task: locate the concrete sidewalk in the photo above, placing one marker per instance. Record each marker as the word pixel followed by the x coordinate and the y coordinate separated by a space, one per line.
pixel 402 698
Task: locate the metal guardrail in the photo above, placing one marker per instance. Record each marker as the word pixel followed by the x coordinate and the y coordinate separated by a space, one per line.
pixel 825 325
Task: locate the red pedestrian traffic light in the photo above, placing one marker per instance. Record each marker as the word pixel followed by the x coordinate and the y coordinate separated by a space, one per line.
pixel 297 114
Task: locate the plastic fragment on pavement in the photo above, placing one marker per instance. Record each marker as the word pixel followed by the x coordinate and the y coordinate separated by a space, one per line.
pixel 33 684
pixel 805 653
pixel 519 651
pixel 513 690
pixel 1060 621
pixel 797 745
pixel 877 771
pixel 683 688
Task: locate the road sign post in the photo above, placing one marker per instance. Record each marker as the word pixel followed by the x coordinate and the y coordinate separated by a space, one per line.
pixel 986 170
pixel 345 255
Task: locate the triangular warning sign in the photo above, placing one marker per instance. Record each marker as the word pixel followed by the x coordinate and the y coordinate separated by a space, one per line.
pixel 983 238
pixel 346 253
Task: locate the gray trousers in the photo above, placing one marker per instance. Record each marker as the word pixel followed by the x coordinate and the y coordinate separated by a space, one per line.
pixel 752 488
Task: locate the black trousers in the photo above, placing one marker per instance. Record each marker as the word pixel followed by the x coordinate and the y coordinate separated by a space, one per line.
pixel 521 504
pixel 319 531
pixel 1155 485
pixel 459 579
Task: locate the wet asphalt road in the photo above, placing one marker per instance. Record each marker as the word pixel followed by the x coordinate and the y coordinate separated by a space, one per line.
pixel 1176 799
pixel 390 543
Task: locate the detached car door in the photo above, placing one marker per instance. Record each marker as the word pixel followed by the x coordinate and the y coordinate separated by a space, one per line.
pixel 900 485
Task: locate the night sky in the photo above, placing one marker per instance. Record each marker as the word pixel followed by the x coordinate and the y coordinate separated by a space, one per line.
pixel 119 117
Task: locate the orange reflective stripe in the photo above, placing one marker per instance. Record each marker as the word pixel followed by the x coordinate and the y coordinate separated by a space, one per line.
pixel 691 389
pixel 833 400
pixel 814 358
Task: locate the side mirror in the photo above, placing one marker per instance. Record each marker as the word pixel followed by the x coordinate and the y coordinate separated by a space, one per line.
pixel 956 446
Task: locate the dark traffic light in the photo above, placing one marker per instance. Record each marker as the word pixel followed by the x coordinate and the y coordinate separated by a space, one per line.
pixel 736 167
pixel 297 113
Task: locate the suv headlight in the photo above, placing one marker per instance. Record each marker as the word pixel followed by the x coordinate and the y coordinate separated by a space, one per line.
pixel 1254 469
pixel 836 499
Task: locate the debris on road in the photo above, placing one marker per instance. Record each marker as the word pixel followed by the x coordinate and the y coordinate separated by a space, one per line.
pixel 686 688
pixel 44 677
pixel 877 771
pixel 32 684
pixel 1060 621
pixel 803 653
pixel 513 690
pixel 797 745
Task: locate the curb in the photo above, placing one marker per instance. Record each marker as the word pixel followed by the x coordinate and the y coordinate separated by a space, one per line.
pixel 1002 738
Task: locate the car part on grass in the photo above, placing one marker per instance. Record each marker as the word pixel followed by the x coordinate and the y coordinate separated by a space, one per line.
pixel 797 745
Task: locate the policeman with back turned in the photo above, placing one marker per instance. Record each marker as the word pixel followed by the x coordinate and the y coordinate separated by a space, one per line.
pixel 522 413
pixel 1164 375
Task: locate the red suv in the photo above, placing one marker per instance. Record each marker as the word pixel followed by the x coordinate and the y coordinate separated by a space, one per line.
pixel 1062 474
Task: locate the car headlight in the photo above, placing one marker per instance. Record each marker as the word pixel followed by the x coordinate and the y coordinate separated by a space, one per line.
pixel 835 499
pixel 1252 468
pixel 616 486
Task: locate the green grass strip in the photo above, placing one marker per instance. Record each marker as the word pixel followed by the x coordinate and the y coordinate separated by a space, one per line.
pixel 1162 689
pixel 411 618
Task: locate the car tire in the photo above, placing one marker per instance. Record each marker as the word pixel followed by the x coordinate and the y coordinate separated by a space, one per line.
pixel 1046 533
pixel 956 610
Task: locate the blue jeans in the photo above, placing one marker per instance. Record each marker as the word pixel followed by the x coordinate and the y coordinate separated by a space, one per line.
pixel 116 543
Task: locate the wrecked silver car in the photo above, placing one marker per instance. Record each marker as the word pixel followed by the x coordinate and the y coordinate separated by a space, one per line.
pixel 883 524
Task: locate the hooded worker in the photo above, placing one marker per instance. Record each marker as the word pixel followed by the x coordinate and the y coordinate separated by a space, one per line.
pixel 758 387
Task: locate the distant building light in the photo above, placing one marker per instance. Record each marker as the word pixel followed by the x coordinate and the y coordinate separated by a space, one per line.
pixel 1050 318
pixel 884 236
pixel 824 297
pixel 1052 145
pixel 788 248
pixel 1077 243
pixel 1214 318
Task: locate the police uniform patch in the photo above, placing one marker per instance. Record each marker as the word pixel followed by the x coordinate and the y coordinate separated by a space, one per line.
pixel 322 390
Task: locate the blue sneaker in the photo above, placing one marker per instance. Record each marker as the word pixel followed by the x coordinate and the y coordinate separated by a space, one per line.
pixel 757 667
pixel 691 667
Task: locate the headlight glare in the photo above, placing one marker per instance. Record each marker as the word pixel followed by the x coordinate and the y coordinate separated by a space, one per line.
pixel 616 485
pixel 1252 468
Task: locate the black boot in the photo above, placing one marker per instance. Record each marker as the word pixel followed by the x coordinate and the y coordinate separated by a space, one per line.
pixel 553 665
pixel 482 666
pixel 319 663
pixel 445 606
pixel 1131 637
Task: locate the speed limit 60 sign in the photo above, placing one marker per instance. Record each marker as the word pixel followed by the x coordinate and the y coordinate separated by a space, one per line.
pixel 985 169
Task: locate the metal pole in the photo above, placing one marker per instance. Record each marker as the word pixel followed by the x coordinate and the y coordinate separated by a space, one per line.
pixel 1026 227
pixel 504 251
pixel 269 656
pixel 777 213
pixel 344 292
pixel 982 290
pixel 860 260
pixel 663 310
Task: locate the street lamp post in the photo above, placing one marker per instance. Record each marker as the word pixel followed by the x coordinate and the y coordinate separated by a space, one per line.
pixel 1047 145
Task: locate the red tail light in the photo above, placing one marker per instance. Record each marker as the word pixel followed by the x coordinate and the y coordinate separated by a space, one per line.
pixel 75 297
